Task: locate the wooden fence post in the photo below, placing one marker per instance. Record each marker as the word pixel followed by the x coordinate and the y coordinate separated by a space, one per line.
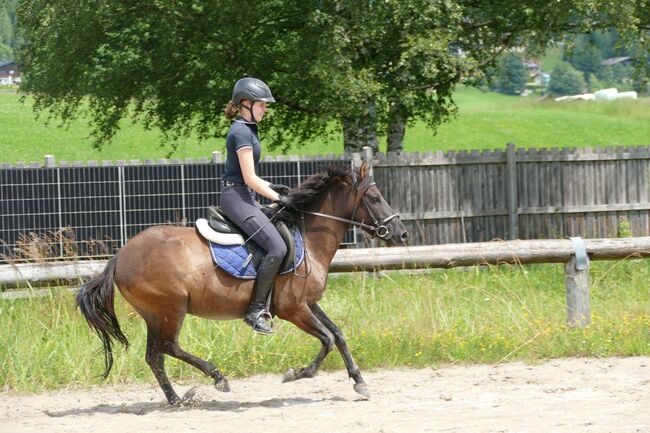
pixel 576 282
pixel 511 191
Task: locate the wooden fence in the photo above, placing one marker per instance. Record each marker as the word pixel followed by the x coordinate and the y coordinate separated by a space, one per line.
pixel 575 253
pixel 456 197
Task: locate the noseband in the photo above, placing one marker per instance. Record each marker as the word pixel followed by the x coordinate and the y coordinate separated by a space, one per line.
pixel 379 229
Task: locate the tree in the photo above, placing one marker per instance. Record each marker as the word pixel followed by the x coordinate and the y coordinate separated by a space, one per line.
pixel 370 66
pixel 512 74
pixel 7 28
pixel 566 81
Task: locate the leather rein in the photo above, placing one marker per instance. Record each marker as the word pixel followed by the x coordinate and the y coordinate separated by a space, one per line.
pixel 379 229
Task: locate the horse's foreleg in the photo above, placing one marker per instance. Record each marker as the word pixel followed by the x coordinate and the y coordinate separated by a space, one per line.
pixel 352 367
pixel 306 320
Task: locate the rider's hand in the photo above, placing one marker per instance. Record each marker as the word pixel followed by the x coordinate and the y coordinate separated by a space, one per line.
pixel 279 188
pixel 286 202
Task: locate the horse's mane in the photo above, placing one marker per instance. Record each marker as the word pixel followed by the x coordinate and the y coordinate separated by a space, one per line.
pixel 310 190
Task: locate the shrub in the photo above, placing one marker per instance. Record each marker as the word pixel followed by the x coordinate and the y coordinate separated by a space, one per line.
pixel 566 81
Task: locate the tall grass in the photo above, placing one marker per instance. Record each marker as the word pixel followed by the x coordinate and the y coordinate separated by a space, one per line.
pixel 492 314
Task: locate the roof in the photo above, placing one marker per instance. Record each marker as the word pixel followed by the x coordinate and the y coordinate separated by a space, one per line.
pixel 615 60
pixel 6 63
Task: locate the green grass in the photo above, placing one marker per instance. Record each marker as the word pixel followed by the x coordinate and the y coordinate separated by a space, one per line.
pixel 488 315
pixel 485 121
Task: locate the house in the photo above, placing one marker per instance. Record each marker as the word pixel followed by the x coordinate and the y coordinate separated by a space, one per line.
pixel 9 73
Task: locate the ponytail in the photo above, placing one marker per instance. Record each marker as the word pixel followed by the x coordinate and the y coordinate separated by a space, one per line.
pixel 232 110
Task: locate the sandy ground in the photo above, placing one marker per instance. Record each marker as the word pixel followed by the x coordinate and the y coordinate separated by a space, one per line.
pixel 567 395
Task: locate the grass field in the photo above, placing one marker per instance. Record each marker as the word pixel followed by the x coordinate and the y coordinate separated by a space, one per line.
pixel 485 121
pixel 492 315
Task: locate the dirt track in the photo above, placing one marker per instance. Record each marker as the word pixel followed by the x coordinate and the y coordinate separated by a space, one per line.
pixel 570 395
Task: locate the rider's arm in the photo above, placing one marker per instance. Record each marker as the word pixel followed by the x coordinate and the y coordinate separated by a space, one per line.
pixel 253 181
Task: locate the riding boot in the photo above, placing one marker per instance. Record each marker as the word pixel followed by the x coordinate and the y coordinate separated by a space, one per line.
pixel 257 314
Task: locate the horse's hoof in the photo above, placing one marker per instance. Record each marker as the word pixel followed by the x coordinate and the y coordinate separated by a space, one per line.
pixel 362 389
pixel 222 385
pixel 289 376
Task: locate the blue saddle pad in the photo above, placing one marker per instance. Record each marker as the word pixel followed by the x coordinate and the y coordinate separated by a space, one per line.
pixel 233 258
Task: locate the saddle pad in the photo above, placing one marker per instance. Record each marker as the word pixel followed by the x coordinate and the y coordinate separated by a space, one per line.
pixel 232 258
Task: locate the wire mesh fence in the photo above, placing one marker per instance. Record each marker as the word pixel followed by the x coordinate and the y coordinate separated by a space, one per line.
pixel 49 213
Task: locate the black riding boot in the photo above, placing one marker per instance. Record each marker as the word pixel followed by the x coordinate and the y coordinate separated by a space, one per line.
pixel 257 314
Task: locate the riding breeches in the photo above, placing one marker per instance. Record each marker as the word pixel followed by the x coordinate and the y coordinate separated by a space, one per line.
pixel 238 203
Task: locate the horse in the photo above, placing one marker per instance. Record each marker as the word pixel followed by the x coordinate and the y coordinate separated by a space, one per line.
pixel 166 272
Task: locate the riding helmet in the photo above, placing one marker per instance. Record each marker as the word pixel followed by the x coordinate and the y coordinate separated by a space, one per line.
pixel 251 89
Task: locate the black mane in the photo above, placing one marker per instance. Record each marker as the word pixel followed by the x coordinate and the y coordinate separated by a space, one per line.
pixel 304 195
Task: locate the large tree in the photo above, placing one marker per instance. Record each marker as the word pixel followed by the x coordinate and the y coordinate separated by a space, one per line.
pixel 371 66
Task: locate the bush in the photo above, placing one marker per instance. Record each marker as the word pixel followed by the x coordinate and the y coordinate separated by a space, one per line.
pixel 566 81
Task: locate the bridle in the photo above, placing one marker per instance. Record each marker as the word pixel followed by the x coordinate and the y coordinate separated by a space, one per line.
pixel 379 229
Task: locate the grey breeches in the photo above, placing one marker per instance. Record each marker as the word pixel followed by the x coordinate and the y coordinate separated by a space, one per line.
pixel 238 203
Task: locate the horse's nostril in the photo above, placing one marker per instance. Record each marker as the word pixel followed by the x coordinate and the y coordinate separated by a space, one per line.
pixel 405 236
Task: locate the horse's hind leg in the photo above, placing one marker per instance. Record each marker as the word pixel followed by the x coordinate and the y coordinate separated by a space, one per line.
pixel 172 348
pixel 353 369
pixel 306 320
pixel 168 343
pixel 156 360
pixel 162 339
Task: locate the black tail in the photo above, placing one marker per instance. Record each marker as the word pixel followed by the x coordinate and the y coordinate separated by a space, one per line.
pixel 95 300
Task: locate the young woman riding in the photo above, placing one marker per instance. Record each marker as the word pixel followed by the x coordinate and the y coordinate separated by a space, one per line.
pixel 240 182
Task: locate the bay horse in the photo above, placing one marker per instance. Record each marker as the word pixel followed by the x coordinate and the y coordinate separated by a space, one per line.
pixel 166 272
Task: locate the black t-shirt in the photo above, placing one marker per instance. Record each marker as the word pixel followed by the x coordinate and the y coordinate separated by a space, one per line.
pixel 242 134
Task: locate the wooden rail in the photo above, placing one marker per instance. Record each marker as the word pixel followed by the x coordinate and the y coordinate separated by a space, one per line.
pixel 419 257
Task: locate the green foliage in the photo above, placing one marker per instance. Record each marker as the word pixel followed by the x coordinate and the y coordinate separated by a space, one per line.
pixel 7 29
pixel 474 315
pixel 6 53
pixel 511 77
pixel 586 55
pixel 171 64
pixel 566 81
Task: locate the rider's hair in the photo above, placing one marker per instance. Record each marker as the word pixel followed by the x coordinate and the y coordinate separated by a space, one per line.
pixel 231 110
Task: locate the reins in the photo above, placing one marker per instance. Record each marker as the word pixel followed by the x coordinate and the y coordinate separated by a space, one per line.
pixel 379 229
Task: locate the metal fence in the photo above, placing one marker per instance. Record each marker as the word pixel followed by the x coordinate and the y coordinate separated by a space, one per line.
pixel 92 210
pixel 442 197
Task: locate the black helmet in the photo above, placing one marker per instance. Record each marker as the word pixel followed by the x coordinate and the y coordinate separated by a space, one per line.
pixel 251 89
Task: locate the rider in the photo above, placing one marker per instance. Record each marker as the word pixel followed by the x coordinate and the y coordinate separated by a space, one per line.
pixel 239 185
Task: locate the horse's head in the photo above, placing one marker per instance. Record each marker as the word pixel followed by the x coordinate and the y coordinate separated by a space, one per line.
pixel 372 210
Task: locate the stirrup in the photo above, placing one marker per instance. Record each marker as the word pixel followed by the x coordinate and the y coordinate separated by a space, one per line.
pixel 260 321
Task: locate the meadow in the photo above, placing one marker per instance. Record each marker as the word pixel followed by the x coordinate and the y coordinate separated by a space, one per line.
pixel 489 314
pixel 484 121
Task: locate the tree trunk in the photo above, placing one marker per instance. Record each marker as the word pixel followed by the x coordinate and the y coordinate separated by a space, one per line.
pixel 361 131
pixel 396 129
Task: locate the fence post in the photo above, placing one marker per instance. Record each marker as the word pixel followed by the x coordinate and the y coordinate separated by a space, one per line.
pixel 576 282
pixel 49 161
pixel 217 158
pixel 511 191
pixel 368 156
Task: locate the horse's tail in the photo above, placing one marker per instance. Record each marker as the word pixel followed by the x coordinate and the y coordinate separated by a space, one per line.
pixel 95 300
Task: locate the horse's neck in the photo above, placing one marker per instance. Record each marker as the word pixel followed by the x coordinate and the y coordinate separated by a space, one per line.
pixel 324 235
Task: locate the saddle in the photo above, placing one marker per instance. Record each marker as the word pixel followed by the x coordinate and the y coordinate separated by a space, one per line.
pixel 232 253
